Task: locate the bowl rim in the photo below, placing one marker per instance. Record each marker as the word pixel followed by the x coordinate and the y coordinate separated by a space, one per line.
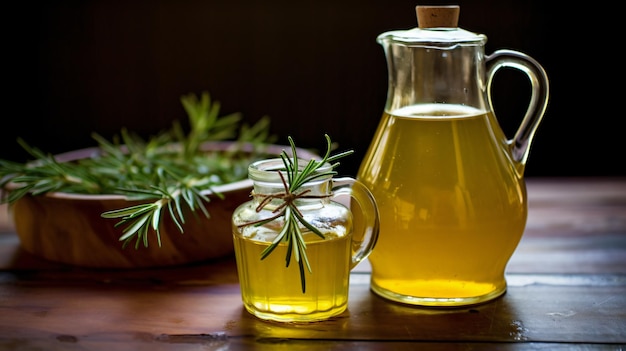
pixel 77 154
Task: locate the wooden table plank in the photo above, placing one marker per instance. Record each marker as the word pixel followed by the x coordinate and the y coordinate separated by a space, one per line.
pixel 84 305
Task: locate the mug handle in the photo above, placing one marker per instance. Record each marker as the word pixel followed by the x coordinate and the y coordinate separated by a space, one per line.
pixel 365 230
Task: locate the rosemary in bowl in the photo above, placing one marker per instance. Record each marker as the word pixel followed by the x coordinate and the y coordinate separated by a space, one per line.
pixel 79 206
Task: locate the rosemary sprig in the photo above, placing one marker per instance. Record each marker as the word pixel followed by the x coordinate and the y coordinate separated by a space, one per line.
pixel 291 232
pixel 169 170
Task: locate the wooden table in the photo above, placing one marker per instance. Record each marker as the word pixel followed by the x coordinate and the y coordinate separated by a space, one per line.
pixel 567 291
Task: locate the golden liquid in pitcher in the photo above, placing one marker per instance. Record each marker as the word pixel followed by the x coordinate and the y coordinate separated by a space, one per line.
pixel 270 290
pixel 452 205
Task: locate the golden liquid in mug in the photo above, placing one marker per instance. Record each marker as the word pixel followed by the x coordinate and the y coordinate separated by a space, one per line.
pixel 452 206
pixel 270 290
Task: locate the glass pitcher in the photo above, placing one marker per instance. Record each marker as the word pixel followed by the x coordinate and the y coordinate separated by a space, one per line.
pixel 448 182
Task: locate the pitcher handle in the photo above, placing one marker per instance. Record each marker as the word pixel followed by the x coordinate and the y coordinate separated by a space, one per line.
pixel 520 144
pixel 363 241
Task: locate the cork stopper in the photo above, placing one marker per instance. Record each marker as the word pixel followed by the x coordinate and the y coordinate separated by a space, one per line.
pixel 438 16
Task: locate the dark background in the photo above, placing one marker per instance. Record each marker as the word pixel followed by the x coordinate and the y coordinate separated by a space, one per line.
pixel 314 67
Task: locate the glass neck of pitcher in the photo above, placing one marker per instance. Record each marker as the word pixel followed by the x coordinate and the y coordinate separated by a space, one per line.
pixel 430 71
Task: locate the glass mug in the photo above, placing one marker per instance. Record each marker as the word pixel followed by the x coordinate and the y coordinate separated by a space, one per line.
pixel 271 288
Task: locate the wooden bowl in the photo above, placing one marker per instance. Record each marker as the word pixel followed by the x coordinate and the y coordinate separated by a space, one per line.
pixel 68 228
